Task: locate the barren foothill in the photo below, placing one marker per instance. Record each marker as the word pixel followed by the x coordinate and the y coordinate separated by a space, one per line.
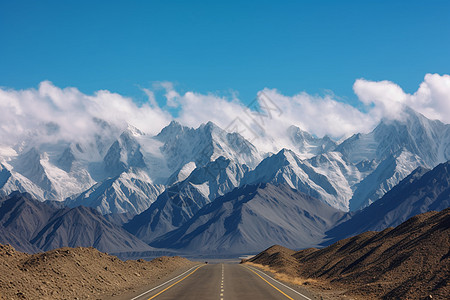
pixel 78 273
pixel 410 261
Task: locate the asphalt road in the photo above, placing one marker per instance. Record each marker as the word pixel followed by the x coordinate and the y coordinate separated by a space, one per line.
pixel 223 282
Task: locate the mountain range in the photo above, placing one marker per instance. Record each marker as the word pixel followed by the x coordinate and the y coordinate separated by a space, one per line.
pixel 172 189
pixel 253 217
pixel 33 226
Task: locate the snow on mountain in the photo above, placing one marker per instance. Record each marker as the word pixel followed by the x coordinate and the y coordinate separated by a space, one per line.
pixel 350 175
pixel 178 203
pixel 62 170
pixel 342 175
pixel 391 151
pixel 128 192
pixel 182 173
pixel 362 168
pixel 251 218
pixel 306 145
pixel 56 183
pixel 217 177
pixel 428 139
pixel 11 181
pixel 387 174
pixel 29 164
pixel 124 153
pixel 286 167
pixel 204 144
pixel 422 191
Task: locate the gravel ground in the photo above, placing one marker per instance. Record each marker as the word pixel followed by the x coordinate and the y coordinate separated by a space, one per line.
pixel 77 273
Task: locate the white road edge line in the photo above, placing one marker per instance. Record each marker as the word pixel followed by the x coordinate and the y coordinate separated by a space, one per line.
pixel 261 272
pixel 162 284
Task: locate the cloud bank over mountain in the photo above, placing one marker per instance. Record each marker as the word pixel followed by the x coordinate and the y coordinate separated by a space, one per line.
pixel 386 98
pixel 50 112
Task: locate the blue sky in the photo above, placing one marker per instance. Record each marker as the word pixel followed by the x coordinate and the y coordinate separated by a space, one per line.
pixel 223 46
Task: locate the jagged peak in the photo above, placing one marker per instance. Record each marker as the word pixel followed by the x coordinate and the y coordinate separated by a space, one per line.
pixel 133 131
pixel 285 152
pixel 407 116
pixel 33 151
pixel 293 129
pixel 173 128
pixel 283 157
pixel 174 123
pixel 210 127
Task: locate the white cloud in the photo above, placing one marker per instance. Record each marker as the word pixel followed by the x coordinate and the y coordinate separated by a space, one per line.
pixel 432 99
pixel 172 96
pixel 386 97
pixel 54 113
pixel 318 115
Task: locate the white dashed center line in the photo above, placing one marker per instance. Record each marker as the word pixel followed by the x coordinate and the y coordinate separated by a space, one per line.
pixel 221 284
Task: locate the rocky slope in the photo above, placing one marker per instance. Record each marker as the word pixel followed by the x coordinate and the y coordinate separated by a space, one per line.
pixel 178 203
pixel 82 273
pixel 410 261
pixel 252 217
pixel 422 191
pixel 34 226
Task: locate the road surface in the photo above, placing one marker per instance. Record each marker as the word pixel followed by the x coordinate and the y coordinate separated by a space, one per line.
pixel 223 282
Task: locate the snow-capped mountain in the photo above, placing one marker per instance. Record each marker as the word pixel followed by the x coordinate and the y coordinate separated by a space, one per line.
pixel 361 169
pixel 178 203
pixel 128 192
pixel 306 145
pixel 127 169
pixel 11 181
pixel 388 173
pixel 179 183
pixel 428 139
pixel 55 182
pixel 206 143
pixel 421 191
pixel 286 167
pixel 124 153
pixel 393 150
pixel 123 172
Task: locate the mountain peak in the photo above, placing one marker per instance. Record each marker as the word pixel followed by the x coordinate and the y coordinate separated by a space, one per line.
pixel 295 130
pixel 173 129
pixel 210 127
pixel 134 131
pixel 308 145
pixel 286 154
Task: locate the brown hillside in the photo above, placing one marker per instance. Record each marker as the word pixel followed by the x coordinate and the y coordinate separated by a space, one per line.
pixel 411 261
pixel 76 273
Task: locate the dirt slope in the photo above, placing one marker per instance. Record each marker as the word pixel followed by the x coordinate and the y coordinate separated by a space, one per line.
pixel 76 273
pixel 410 261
